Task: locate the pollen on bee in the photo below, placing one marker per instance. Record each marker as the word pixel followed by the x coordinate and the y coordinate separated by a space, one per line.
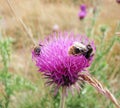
pixel 73 50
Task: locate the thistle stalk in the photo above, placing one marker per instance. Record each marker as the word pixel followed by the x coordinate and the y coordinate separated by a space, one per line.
pixel 98 86
pixel 62 100
pixel 28 31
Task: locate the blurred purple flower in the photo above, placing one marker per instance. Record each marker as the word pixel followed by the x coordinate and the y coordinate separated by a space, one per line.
pixel 82 13
pixel 57 65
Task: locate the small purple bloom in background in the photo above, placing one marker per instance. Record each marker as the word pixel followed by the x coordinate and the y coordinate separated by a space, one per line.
pixel 118 1
pixel 60 68
pixel 82 13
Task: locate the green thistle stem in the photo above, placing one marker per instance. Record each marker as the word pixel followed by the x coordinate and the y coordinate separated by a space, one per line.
pixel 62 100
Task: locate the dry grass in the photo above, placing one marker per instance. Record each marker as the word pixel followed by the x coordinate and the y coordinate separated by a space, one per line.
pixel 99 87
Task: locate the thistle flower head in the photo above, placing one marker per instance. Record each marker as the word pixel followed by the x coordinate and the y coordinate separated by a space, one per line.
pixel 82 12
pixel 57 65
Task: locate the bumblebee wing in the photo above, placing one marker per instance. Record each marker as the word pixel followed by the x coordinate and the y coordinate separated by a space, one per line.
pixel 79 45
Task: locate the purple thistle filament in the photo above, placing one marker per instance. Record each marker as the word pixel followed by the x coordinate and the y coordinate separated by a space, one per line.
pixel 56 64
pixel 82 13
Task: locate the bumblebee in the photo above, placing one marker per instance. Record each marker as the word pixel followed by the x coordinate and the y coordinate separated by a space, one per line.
pixel 37 50
pixel 80 49
pixel 88 53
pixel 77 48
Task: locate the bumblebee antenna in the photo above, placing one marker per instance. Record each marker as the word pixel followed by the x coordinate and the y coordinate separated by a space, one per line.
pixel 28 31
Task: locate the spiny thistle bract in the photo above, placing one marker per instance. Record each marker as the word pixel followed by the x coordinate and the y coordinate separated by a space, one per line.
pixel 57 65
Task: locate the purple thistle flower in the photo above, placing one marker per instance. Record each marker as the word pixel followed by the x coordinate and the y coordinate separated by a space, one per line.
pixel 57 65
pixel 82 13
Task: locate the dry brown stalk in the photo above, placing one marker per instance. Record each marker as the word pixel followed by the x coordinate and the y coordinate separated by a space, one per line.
pixel 28 31
pixel 63 96
pixel 98 86
pixel 117 33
